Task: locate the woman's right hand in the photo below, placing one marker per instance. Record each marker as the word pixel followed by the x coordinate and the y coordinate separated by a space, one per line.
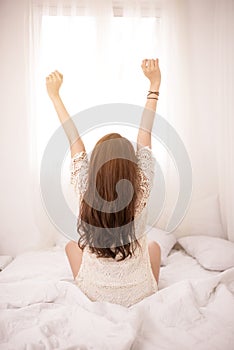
pixel 152 72
pixel 53 84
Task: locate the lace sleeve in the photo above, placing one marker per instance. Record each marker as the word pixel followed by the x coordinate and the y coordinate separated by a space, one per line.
pixel 79 172
pixel 145 163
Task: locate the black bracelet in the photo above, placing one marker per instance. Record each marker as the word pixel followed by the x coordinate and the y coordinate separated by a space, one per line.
pixel 152 98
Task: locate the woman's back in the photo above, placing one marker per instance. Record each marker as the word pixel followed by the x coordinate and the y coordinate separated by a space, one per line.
pixel 123 282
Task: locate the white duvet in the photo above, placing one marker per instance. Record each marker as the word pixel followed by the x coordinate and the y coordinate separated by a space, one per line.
pixel 42 308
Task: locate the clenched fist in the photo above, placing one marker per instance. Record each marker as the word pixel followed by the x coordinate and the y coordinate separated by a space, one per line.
pixel 53 83
pixel 152 71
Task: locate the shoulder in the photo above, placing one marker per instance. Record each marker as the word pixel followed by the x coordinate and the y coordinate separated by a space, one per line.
pixel 79 170
pixel 145 160
pixel 72 246
pixel 79 156
pixel 154 247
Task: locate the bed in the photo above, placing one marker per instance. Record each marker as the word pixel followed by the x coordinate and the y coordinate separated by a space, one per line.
pixel 42 308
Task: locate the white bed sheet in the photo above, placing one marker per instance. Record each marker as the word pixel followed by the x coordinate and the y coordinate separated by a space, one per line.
pixel 42 308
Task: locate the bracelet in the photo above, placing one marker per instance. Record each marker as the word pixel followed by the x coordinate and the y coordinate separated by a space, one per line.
pixel 153 92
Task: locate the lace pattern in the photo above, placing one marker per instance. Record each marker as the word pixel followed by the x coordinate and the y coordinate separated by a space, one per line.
pixel 80 165
pixel 126 282
pixel 79 172
pixel 145 163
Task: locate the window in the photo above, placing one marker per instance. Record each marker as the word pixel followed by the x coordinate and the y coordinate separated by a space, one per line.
pixel 101 63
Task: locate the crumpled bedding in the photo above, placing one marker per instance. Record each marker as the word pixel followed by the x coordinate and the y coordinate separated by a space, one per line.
pixel 42 308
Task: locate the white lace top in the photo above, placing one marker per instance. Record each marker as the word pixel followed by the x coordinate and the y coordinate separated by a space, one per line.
pixel 106 279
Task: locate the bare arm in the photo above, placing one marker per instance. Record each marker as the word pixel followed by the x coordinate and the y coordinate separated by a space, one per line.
pixel 53 84
pixel 152 72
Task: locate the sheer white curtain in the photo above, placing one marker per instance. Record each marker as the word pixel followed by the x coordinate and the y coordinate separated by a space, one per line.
pixel 212 53
pixel 17 227
pixel 223 108
pixel 197 51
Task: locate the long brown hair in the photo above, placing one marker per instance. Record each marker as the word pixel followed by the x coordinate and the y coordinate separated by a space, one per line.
pixel 109 233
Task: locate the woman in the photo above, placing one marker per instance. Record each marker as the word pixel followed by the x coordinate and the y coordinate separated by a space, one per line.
pixel 112 260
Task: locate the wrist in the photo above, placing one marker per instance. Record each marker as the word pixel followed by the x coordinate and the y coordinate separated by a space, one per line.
pixel 154 86
pixel 54 97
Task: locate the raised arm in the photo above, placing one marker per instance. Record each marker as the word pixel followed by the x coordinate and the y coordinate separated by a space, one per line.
pixel 152 72
pixel 53 84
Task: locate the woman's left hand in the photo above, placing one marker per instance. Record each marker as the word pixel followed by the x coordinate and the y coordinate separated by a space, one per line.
pixel 53 84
